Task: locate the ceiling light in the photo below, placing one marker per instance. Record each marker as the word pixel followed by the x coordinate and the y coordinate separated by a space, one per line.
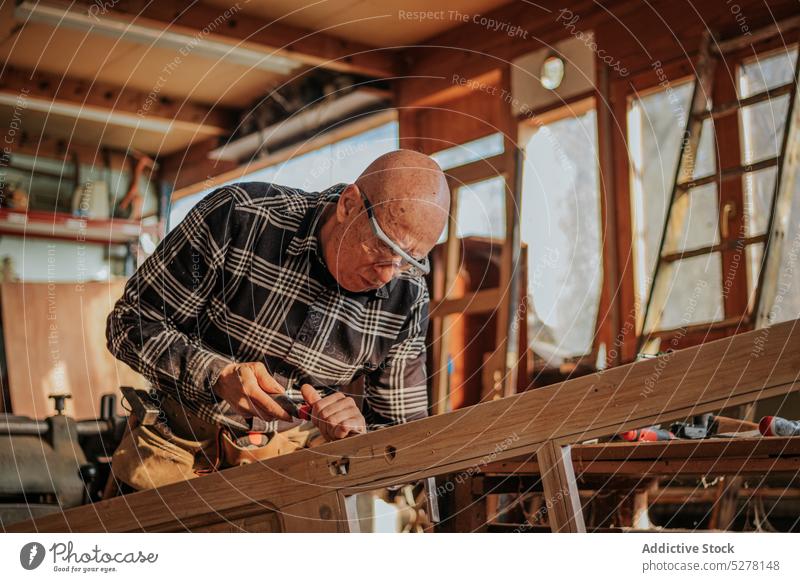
pixel 552 72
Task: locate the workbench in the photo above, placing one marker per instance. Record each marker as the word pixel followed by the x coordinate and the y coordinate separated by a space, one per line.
pixel 308 490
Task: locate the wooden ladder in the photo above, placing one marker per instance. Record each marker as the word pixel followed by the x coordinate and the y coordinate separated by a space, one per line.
pixel 685 181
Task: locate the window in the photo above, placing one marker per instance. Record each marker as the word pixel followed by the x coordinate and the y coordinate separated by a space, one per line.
pixel 763 126
pixel 708 271
pixel 656 122
pixel 482 209
pixel 316 170
pixel 561 226
pixel 469 152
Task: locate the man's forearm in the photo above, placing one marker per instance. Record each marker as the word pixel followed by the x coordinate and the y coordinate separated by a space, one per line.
pixel 167 357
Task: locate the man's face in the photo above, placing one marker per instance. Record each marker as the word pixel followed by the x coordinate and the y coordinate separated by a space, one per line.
pixel 362 261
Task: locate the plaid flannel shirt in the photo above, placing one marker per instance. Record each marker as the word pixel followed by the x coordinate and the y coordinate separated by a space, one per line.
pixel 242 279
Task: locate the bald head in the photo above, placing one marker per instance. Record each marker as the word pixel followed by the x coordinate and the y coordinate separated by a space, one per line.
pixel 411 201
pixel 410 195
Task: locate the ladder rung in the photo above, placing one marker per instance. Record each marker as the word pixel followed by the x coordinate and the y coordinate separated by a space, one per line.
pixel 707 250
pixel 733 106
pixel 728 174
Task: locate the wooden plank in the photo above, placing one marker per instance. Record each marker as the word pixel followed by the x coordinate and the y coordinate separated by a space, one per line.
pixel 608 311
pixel 264 521
pixel 440 393
pixel 324 515
pixel 477 302
pixel 706 378
pixel 590 458
pixel 55 342
pixel 560 489
pixel 685 449
pixel 699 468
pixel 499 373
pixel 622 348
pixel 507 479
pixel 476 171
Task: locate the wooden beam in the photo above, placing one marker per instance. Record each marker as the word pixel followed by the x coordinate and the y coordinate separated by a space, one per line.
pixel 477 302
pixel 589 458
pixel 728 372
pixel 192 167
pixel 106 103
pixel 560 489
pixel 482 169
pixel 608 311
pixel 271 37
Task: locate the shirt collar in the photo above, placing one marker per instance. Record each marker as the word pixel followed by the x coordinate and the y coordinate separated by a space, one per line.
pixel 305 240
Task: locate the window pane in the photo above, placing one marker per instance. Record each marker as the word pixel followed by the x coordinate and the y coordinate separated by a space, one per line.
pixel 694 292
pixel 655 127
pixel 339 162
pixel 759 188
pixel 561 225
pixel 694 218
pixel 706 163
pixel 482 209
pixel 762 128
pixel 472 151
pixel 764 73
pixel 45 260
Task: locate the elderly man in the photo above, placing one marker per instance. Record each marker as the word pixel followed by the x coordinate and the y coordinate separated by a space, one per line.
pixel 265 293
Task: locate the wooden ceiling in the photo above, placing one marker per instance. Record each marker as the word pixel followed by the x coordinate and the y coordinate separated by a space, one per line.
pixel 378 23
pixel 49 52
pixel 83 55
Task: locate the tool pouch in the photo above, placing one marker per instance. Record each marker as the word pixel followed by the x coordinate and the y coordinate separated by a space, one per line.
pixel 152 456
pixel 232 454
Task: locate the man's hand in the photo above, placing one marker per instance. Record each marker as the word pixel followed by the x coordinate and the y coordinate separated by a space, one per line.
pixel 336 416
pixel 246 387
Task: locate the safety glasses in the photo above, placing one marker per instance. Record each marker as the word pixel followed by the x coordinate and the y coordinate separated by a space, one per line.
pixel 415 266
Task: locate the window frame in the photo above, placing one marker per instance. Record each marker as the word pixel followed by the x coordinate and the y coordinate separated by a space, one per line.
pixel 739 311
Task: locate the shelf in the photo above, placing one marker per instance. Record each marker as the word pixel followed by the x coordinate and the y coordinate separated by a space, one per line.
pixel 63 226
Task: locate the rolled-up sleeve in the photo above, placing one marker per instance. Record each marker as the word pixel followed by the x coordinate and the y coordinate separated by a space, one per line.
pixel 397 391
pixel 154 327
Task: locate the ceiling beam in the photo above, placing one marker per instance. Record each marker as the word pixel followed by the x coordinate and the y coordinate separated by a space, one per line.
pixel 271 39
pixel 106 103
